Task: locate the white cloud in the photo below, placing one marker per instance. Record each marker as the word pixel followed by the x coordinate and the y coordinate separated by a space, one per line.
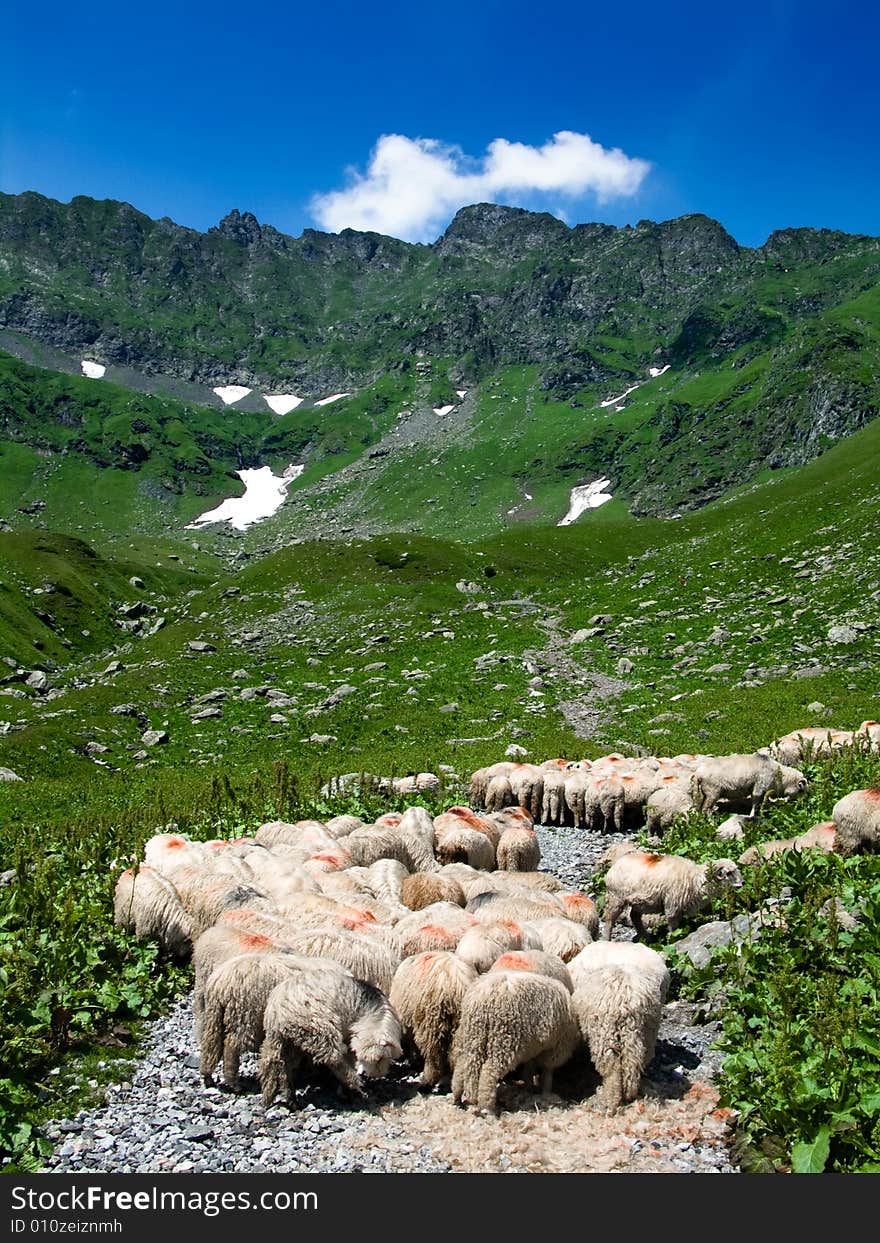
pixel 413 185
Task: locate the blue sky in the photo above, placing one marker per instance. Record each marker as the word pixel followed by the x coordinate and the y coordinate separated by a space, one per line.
pixel 762 116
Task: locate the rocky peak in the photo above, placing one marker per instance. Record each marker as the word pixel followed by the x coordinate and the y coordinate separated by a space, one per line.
pixel 240 227
pixel 491 225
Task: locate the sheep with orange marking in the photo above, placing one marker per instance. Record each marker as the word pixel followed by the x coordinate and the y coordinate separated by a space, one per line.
pixel 166 852
pixel 147 903
pixel 580 909
pixel 464 818
pixel 439 926
pixel 427 993
pixel 499 794
pixel 516 904
pixel 206 895
pixel 539 962
pixel 645 883
pixel 423 889
pixel 480 780
pixel 856 818
pixel 562 937
pixel 518 850
pixel 481 945
pixel 618 1000
pixel 224 941
pixel 510 1019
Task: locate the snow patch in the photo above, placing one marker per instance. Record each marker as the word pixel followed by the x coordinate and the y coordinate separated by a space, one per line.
pixel 588 496
pixel 442 409
pixel 230 393
pixel 462 392
pixel 653 372
pixel 613 401
pixel 325 401
pixel 283 403
pixel 93 370
pixel 264 493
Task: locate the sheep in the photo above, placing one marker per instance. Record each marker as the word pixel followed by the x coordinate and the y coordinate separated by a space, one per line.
pixel 481 945
pixel 341 826
pixel 580 909
pixel 813 740
pixel 499 794
pixel 466 846
pixel 621 953
pixel 366 958
pixel 515 904
pixel 618 1004
pixel 509 1018
pixel 605 803
pixel 545 882
pixel 856 818
pixel 819 837
pixel 743 779
pixel 536 961
pixel 427 993
pixel 480 779
pixel 527 784
pixel 518 851
pixel 146 903
pixel 233 1004
pixel 385 880
pixel 553 805
pixel 224 941
pixel 439 926
pixel 731 830
pixel 665 806
pixel 613 853
pixel 462 872
pixel 166 852
pixel 646 883
pixel 307 835
pixel 574 794
pixel 510 818
pixel 418 820
pixel 455 818
pixel 869 730
pixel 425 888
pixel 206 895
pixel 369 844
pixel 279 877
pixel 338 1021
pixel 562 937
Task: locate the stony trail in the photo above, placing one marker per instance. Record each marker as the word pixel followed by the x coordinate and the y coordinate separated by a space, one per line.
pixel 163 1120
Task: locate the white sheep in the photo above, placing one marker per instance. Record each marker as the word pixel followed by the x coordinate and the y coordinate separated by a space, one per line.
pixel 337 1021
pixel 539 962
pixel 856 818
pixel 741 779
pixel 518 850
pixel 220 944
pixel 665 805
pixel 509 1018
pixel 560 936
pixel 364 956
pixel 618 1009
pixel 464 845
pixel 233 1005
pixel 439 926
pixel 646 883
pixel 481 945
pixel 427 993
pixel 499 794
pixel 423 889
pixel 146 903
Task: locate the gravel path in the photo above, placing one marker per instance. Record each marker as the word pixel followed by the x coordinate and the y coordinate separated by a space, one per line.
pixel 164 1120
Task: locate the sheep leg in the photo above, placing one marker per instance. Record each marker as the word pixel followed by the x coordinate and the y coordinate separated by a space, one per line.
pixel 432 1072
pixel 639 924
pixel 346 1072
pixel 547 1081
pixel 487 1089
pixel 613 911
pixel 231 1062
pixel 458 1078
pixel 272 1071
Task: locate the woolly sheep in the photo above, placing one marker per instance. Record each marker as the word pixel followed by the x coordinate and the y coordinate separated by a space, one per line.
pixel 205 896
pixel 341 826
pixel 605 803
pixel 537 961
pixel 366 958
pixel 233 1004
pixel 553 805
pixel 146 903
pixel 580 909
pixel 518 851
pixel 480 779
pixel 339 1022
pixel 465 846
pixel 425 888
pixel 509 1018
pixel 499 794
pixel 665 805
pixel 618 1010
pixel 562 937
pixel 439 926
pixel 857 820
pixel 509 818
pixel 646 883
pixel 819 837
pixel 385 879
pixel 455 818
pixel 219 944
pixel 166 852
pixel 743 779
pixel 481 945
pixel 418 820
pixel 427 993
pixel 527 784
pixel 632 954
pixel 544 882
pixel 516 904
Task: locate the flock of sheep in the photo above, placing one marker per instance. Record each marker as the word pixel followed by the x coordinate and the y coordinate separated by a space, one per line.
pixel 345 945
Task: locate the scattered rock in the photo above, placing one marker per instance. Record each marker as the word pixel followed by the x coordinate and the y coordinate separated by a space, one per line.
pixel 199 645
pixel 154 737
